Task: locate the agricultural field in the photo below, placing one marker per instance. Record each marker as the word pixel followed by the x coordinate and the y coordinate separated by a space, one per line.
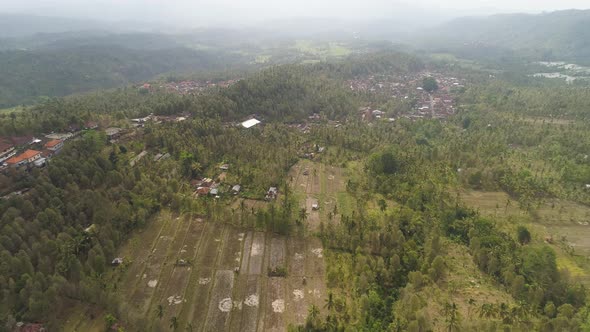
pixel 215 277
pixel 324 185
pixel 566 223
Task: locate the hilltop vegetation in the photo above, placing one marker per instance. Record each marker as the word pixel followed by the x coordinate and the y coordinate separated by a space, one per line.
pixel 561 35
pixel 27 76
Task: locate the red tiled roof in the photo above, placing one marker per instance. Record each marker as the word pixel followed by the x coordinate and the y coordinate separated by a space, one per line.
pixel 23 156
pixel 203 190
pixel 52 143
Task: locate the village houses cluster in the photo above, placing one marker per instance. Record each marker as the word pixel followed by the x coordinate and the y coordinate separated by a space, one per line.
pixel 438 104
pixel 188 86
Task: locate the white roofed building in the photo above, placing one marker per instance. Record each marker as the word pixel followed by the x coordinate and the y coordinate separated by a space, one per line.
pixel 250 123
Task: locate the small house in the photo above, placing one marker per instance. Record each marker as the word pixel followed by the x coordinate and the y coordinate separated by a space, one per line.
pixel 224 167
pixel 236 189
pixel 41 162
pixel 250 123
pixel 6 151
pixel 54 145
pixel 24 158
pixel 113 133
pixel 117 261
pixel 272 193
pixel 214 192
pixel 203 191
pixel 90 125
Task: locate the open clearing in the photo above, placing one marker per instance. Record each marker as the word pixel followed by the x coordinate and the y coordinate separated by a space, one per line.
pixel 567 223
pixel 215 277
pixel 324 185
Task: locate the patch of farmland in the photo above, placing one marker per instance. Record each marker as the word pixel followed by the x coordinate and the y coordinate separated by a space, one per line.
pixel 204 271
pixel 221 303
pixel 168 266
pixel 184 263
pixel 256 254
pixel 223 282
pixel 150 277
pixel 137 252
pixel 232 254
pixel 277 252
pixel 273 316
pixel 251 305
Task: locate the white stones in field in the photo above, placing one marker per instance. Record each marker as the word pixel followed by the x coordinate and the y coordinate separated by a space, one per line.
pixel 278 305
pixel 252 300
pixel 204 281
pixel 225 305
pixel 298 295
pixel 152 283
pixel 175 300
pixel 256 249
pixel 298 256
pixel 319 252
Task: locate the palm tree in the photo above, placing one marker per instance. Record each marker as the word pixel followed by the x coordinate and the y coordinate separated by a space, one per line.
pixel 174 323
pixel 302 215
pixel 159 311
pixel 242 209
pixel 313 315
pixel 189 327
pixel 329 301
pixel 487 310
pixel 452 316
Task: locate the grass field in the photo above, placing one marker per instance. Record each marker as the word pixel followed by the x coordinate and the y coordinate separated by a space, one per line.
pixel 568 223
pixel 321 50
pixel 325 186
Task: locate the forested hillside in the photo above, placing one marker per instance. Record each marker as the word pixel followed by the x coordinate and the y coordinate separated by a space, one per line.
pixel 26 76
pixel 561 36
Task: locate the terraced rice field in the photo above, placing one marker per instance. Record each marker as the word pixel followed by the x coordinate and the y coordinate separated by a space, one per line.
pixel 222 282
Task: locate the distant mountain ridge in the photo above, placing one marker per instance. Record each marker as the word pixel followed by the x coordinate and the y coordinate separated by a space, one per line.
pixel 560 35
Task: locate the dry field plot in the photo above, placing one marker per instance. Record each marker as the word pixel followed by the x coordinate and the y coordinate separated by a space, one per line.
pixel 215 277
pixel 323 185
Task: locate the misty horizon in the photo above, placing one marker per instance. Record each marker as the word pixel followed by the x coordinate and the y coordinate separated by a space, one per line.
pixel 230 13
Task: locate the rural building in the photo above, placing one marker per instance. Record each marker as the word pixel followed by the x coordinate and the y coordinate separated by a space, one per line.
pixel 24 158
pixel 54 145
pixel 117 261
pixel 250 123
pixel 272 193
pixel 6 151
pixel 40 162
pixel 113 133
pixel 203 191
pixel 236 189
pixel 224 167
pixel 90 125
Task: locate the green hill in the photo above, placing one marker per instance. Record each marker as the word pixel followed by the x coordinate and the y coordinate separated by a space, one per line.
pixel 561 35
pixel 27 75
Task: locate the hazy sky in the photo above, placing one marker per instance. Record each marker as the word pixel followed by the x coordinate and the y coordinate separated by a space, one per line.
pixel 205 12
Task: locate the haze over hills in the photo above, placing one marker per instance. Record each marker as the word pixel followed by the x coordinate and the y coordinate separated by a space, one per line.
pixel 73 55
pixel 560 35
